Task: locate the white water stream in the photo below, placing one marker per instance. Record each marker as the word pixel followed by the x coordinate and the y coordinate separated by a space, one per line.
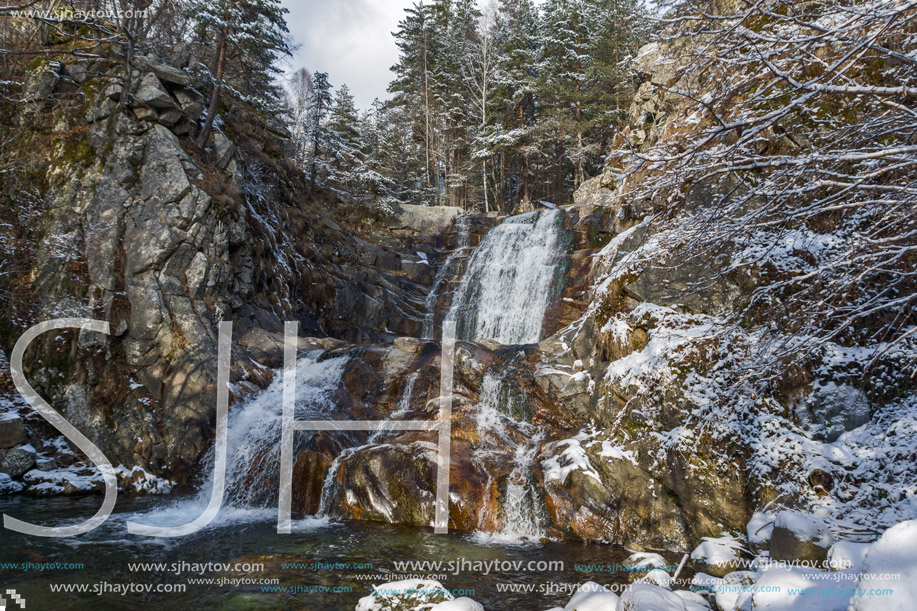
pixel 502 296
pixel 444 274
pixel 506 289
pixel 523 517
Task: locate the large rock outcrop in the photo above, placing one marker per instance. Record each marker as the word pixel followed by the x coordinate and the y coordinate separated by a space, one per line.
pixel 122 219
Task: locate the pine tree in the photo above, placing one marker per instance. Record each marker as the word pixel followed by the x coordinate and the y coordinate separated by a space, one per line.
pixel 418 41
pixel 346 146
pixel 248 37
pixel 618 28
pixel 514 98
pixel 519 106
pixel 384 173
pixel 479 71
pixel 398 156
pixel 319 136
pixel 563 85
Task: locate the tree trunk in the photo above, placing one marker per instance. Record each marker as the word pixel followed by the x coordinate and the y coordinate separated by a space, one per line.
pixel 580 171
pixel 128 67
pixel 215 96
pixel 484 180
pixel 313 169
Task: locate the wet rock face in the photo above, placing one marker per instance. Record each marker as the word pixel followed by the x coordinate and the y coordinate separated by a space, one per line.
pixel 520 465
pixel 393 483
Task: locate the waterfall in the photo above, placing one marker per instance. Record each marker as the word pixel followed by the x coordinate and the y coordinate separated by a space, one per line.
pixel 254 431
pixel 523 517
pixel 445 271
pixel 253 447
pixel 507 286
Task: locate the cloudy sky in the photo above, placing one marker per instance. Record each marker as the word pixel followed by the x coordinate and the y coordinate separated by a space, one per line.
pixel 349 39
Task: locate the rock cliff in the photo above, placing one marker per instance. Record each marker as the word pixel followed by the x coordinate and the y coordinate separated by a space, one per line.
pixel 113 214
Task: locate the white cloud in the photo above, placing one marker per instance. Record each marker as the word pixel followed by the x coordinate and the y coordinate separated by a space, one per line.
pixel 351 40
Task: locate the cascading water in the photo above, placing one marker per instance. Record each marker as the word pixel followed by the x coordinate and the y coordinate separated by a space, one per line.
pixel 523 518
pixel 503 296
pixel 445 271
pixel 253 446
pixel 507 286
pixel 254 429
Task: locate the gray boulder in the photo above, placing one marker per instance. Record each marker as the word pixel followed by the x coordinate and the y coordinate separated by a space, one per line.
pixel 12 432
pixel 18 461
pixel 45 463
pixel 224 150
pixel 426 219
pixel 77 72
pixel 169 117
pixel 42 82
pixel 191 104
pixel 800 537
pixel 164 72
pixel 649 597
pixel 152 93
pixel 832 409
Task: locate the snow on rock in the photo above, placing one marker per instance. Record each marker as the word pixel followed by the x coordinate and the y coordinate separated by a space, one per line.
pixel 67 480
pixel 19 460
pixel 459 604
pixel 616 452
pixel 732 586
pixel 718 555
pixel 658 577
pixel 877 454
pixel 647 559
pixel 572 458
pixel 653 361
pixel 618 329
pixel 647 597
pixel 800 536
pixel 592 597
pixel 805 527
pixel 847 555
pixel 794 589
pixel 404 595
pixel 8 486
pixel 760 527
pixel 77 479
pixel 890 563
pixel 785 253
pixel 692 600
pixel 704 582
pixel 139 479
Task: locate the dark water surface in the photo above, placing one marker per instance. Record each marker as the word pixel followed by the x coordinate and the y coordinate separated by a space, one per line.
pixel 250 537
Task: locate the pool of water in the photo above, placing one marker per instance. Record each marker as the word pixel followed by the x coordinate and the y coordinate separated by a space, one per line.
pixel 249 537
